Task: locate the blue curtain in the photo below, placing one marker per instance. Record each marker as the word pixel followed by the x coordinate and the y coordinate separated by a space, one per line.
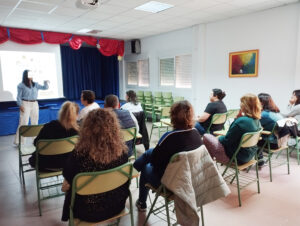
pixel 87 68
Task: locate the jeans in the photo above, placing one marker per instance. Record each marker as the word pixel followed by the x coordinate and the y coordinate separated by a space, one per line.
pixel 200 128
pixel 143 165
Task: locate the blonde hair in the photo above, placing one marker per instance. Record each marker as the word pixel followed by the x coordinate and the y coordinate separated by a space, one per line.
pixel 68 115
pixel 251 106
pixel 100 137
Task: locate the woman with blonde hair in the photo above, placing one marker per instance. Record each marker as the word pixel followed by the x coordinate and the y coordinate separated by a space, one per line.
pixel 65 126
pixel 223 148
pixel 100 147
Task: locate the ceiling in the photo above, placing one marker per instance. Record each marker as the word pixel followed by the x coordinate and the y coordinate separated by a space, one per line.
pixel 118 19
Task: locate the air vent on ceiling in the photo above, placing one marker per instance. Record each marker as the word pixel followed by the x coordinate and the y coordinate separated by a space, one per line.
pixel 94 32
pixel 87 4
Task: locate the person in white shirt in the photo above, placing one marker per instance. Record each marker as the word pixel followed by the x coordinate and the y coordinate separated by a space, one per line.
pixel 132 104
pixel 87 99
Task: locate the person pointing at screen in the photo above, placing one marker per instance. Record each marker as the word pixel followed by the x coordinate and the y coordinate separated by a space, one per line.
pixel 27 101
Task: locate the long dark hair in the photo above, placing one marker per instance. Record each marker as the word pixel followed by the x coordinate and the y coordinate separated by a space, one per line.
pixel 297 94
pixel 25 79
pixel 132 97
pixel 220 94
pixel 267 102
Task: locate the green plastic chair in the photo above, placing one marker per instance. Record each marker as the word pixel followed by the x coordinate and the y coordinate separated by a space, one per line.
pixel 164 113
pixel 266 146
pixel 26 150
pixel 175 99
pixel 91 183
pixel 149 107
pixel 231 115
pixel 168 198
pixel 219 118
pixel 51 147
pixel 167 99
pixel 128 135
pixel 248 140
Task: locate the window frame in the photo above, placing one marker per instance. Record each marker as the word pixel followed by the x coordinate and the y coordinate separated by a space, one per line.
pixel 126 73
pixel 174 58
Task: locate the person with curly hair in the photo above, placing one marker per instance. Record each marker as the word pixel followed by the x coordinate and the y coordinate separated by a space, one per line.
pixel 153 162
pixel 100 147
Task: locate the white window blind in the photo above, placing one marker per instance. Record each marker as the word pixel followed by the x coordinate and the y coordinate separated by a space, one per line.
pixel 176 71
pixel 143 71
pixel 138 73
pixel 183 71
pixel 167 72
pixel 132 73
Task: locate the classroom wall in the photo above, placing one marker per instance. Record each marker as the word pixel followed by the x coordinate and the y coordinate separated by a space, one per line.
pixel 274 32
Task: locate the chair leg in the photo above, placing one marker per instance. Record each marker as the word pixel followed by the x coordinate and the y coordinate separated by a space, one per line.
pixel 152 206
pixel 167 211
pixel 202 215
pixel 137 182
pixel 257 178
pixel 151 131
pixel 288 160
pixel 131 209
pixel 238 186
pixel 38 192
pixel 270 165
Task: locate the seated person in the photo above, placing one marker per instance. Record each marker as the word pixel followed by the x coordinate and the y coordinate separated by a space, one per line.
pixel 126 118
pixel 215 106
pixel 224 147
pixel 132 104
pixel 136 109
pixel 88 100
pixel 153 162
pixel 269 116
pixel 65 126
pixel 294 106
pixel 100 147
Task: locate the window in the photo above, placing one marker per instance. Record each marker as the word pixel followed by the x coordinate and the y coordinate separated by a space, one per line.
pixel 176 71
pixel 138 73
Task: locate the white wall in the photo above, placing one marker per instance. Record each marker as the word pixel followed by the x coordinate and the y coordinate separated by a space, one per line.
pixel 275 32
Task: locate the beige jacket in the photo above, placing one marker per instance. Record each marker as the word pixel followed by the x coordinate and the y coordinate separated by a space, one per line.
pixel 195 181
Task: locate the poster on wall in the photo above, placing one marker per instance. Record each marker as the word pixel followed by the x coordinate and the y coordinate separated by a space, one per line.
pixel 243 63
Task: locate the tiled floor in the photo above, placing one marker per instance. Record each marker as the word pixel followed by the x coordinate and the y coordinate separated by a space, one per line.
pixel 277 205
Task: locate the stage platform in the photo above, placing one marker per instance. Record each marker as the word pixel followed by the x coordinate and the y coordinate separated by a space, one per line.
pixel 9 113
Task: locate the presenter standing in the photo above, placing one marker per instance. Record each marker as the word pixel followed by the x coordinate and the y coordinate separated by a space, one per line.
pixel 27 101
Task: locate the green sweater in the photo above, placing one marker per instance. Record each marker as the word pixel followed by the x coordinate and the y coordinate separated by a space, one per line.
pixel 232 139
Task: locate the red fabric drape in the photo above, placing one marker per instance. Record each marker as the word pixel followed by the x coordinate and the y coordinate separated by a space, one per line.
pixel 3 35
pixel 56 38
pixel 108 47
pixel 24 36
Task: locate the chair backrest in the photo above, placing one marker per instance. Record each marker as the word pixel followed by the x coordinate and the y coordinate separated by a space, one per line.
pixel 91 183
pixel 148 94
pixel 165 112
pixel 30 130
pixel 250 139
pixel 217 119
pixel 56 146
pixel 232 113
pixel 129 134
pixel 167 95
pixel 175 99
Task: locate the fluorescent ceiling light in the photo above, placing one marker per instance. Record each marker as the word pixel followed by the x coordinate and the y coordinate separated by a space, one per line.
pixel 154 7
pixel 84 30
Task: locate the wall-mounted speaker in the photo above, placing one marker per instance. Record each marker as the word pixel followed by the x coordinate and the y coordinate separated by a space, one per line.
pixel 136 46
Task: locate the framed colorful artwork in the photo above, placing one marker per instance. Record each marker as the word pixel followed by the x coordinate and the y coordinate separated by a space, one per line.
pixel 243 63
